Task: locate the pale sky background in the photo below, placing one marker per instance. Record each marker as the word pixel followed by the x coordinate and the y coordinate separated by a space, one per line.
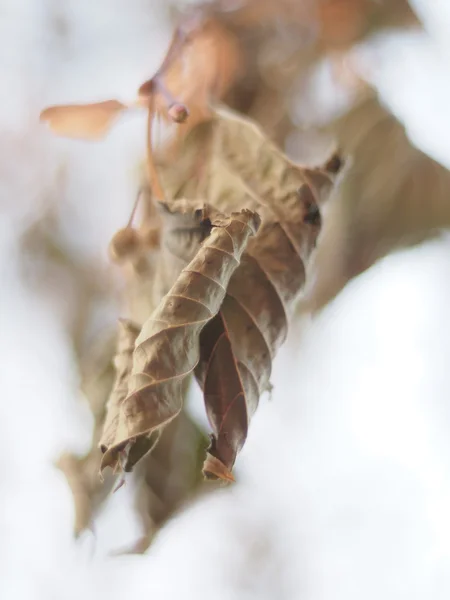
pixel 345 489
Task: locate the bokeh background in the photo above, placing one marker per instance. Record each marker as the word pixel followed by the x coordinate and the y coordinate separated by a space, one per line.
pixel 344 483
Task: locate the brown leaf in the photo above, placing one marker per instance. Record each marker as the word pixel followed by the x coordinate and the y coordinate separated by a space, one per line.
pixel 84 121
pixel 336 23
pixel 97 372
pixel 167 349
pixel 226 397
pixel 126 339
pixel 243 168
pixel 73 469
pixel 237 348
pixel 170 475
pixel 201 64
pixel 392 196
pixel 164 480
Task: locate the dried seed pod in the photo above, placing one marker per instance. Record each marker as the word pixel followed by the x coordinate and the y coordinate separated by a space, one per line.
pixel 178 112
pixel 125 245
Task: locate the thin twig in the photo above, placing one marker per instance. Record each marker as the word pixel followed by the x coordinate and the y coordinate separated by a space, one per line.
pixel 155 182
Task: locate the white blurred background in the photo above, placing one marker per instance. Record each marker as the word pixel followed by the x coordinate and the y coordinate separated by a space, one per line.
pixel 344 486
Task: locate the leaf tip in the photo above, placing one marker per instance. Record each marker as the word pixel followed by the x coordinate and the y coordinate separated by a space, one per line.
pixel 213 468
pixel 120 484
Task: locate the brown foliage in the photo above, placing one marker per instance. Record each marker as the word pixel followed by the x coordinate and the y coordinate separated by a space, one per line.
pixel 167 349
pixel 225 315
pixel 164 480
pixel 237 347
pixel 392 196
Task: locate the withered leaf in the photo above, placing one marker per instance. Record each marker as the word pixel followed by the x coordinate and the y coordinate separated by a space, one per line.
pixel 226 398
pixel 170 474
pixel 164 479
pixel 77 478
pixel 334 22
pixel 244 169
pixel 85 121
pixel 236 355
pixel 167 349
pixel 81 472
pixel 201 63
pixel 392 196
pixel 126 339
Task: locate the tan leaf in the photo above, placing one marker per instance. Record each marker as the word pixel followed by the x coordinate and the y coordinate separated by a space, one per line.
pixel 336 22
pixel 167 349
pixel 244 169
pixel 231 164
pixel 83 121
pixel 97 373
pixel 169 475
pixel 128 333
pixel 164 480
pixel 227 393
pixel 73 469
pixel 201 64
pixel 237 348
pixel 392 196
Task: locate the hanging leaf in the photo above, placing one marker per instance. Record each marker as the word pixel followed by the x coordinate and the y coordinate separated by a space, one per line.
pixel 128 333
pixel 229 161
pixel 244 169
pixel 237 348
pixel 336 22
pixel 392 196
pixel 97 377
pixel 200 65
pixel 201 62
pixel 165 479
pixel 228 391
pixel 169 475
pixel 84 121
pixel 167 349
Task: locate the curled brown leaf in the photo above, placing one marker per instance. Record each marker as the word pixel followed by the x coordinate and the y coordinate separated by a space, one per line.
pixel 237 347
pixel 167 349
pixel 126 338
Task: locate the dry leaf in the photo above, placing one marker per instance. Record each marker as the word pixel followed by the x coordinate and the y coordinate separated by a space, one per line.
pixel 97 373
pixel 227 393
pixel 167 349
pixel 73 469
pixel 335 22
pixel 84 121
pixel 200 64
pixel 97 378
pixel 244 169
pixel 228 163
pixel 164 480
pixel 392 196
pixel 241 168
pixel 170 475
pixel 128 333
pixel 237 348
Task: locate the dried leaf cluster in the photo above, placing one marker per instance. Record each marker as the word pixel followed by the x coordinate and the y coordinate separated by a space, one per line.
pixel 216 263
pixel 231 223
